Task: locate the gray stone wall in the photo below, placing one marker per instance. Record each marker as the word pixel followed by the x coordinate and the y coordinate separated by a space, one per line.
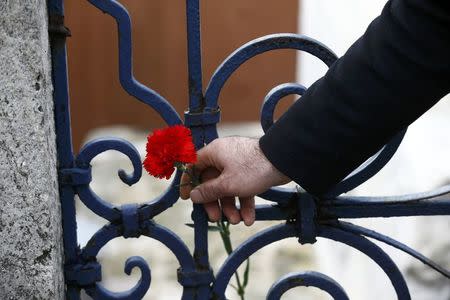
pixel 30 221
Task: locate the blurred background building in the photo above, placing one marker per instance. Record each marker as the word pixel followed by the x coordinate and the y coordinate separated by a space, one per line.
pixel 160 58
pixel 101 108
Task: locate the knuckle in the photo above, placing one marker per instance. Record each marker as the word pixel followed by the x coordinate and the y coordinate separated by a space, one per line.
pixel 216 146
pixel 228 186
pixel 209 192
pixel 214 143
pixel 205 193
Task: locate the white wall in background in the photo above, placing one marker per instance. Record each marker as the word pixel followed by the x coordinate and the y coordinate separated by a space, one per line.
pixel 337 24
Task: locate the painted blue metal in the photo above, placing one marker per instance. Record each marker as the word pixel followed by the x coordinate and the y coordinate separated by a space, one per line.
pixel 129 83
pixel 423 204
pixel 283 231
pixel 272 99
pixel 196 101
pixel 305 217
pixel 396 244
pixel 137 292
pixel 315 279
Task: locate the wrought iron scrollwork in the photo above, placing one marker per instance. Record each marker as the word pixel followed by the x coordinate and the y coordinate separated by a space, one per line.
pixel 307 218
pixel 315 279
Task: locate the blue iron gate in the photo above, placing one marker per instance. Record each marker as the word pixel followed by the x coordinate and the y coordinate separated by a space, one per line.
pixel 306 216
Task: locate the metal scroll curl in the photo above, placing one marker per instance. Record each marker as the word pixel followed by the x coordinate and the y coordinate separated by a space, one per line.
pixel 272 99
pixel 314 279
pixel 252 49
pixel 102 207
pixel 134 220
pixel 317 49
pixel 259 46
pixel 129 83
pixel 279 232
pixel 361 174
pixel 143 94
pixel 136 292
pixel 91 150
pixel 149 229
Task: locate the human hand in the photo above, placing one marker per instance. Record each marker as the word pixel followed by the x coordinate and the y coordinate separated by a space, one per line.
pixel 231 167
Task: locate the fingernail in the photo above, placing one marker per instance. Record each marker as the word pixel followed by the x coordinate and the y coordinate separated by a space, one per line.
pixel 249 222
pixel 234 219
pixel 213 218
pixel 196 196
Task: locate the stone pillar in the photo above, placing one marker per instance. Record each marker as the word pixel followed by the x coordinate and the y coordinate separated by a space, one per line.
pixel 30 220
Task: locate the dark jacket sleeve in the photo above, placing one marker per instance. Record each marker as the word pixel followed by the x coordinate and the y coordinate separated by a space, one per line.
pixel 393 74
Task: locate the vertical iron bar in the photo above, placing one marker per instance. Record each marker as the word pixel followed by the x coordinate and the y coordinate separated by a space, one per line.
pixel 201 256
pixel 63 135
pixel 197 104
pixel 196 101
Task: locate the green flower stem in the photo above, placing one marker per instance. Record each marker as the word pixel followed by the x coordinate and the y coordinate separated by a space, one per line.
pixel 224 230
pixel 224 227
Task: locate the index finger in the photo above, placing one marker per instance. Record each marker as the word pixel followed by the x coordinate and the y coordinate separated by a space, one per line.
pixel 205 160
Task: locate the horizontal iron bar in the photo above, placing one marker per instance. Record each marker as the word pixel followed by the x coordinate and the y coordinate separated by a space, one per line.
pixel 341 209
pixel 364 209
pixel 267 212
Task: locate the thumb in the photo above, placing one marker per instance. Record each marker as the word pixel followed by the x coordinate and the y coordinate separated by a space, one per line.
pixel 209 191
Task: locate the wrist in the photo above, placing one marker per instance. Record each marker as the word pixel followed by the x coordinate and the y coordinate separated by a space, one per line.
pixel 277 176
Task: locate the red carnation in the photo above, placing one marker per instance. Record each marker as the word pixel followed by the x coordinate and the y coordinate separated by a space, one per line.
pixel 169 148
